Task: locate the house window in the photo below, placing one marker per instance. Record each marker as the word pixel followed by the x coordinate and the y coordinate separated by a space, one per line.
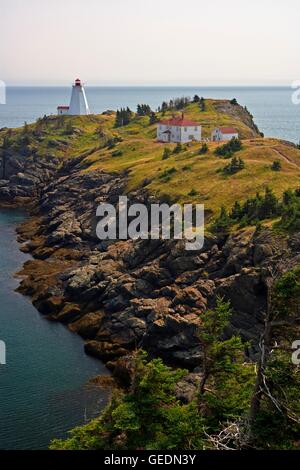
pixel 191 137
pixel 196 128
pixel 185 129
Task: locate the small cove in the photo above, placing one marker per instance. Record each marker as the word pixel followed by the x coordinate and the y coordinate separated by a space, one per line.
pixel 43 386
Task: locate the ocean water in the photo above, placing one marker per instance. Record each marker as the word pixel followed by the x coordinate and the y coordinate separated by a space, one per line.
pixel 43 390
pixel 272 107
pixel 43 386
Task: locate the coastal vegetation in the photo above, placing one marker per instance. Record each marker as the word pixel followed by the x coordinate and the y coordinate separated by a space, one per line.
pixel 217 325
pixel 236 164
pixel 137 153
pixel 284 211
pixel 237 405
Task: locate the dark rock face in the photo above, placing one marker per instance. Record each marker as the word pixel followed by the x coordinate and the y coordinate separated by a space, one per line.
pixel 129 294
pixel 187 388
pixel 23 174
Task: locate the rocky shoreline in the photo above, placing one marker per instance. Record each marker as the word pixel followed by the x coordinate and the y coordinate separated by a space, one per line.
pixel 124 295
pixel 138 294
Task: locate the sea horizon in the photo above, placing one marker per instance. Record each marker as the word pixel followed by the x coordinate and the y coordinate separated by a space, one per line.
pixel 42 85
pixel 271 106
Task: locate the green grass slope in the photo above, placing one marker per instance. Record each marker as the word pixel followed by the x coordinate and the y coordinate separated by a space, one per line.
pixel 183 177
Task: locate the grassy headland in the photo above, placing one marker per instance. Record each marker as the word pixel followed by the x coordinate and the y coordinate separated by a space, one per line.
pixel 186 176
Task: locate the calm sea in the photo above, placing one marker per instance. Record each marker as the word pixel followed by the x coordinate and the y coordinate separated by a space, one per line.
pixel 43 386
pixel 272 107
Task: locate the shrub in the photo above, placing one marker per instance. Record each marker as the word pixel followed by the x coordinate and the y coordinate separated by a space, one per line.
pixel 166 153
pixel 193 192
pixel 117 153
pixel 166 175
pixel 203 149
pixel 234 145
pixel 236 164
pixel 276 165
pixel 178 148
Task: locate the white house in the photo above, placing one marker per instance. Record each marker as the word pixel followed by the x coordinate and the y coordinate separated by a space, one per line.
pixel 178 129
pixel 221 134
pixel 78 104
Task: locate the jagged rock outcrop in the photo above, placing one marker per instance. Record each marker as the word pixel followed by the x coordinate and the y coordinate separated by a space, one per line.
pixel 23 174
pixel 150 294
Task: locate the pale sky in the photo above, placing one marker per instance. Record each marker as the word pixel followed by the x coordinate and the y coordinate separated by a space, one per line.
pixel 150 42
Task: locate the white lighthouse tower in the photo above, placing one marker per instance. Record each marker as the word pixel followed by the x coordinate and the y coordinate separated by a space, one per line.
pixel 78 105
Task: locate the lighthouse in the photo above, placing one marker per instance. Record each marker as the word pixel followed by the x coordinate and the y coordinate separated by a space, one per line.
pixel 78 105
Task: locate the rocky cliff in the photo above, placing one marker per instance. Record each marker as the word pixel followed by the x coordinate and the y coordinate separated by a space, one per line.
pixel 150 294
pixel 129 294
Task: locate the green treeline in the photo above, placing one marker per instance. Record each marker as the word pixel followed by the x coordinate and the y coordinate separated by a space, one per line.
pixel 238 405
pixel 261 207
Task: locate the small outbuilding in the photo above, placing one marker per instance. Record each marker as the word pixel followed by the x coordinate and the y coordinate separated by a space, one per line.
pixel 63 110
pixel 221 134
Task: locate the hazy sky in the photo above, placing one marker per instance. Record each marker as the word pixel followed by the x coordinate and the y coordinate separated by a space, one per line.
pixel 165 42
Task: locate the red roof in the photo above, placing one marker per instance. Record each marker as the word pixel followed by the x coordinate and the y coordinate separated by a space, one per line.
pixel 63 107
pixel 228 130
pixel 181 122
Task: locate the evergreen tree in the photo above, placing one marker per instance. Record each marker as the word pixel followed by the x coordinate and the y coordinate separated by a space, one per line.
pixel 147 417
pixel 237 211
pixel 143 110
pixel 226 381
pixel 123 117
pixel 223 223
pixel 269 206
pixel 236 164
pixel 275 397
pixel 153 119
pixel 202 104
pixel 226 150
pixel 164 107
pixel 217 353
